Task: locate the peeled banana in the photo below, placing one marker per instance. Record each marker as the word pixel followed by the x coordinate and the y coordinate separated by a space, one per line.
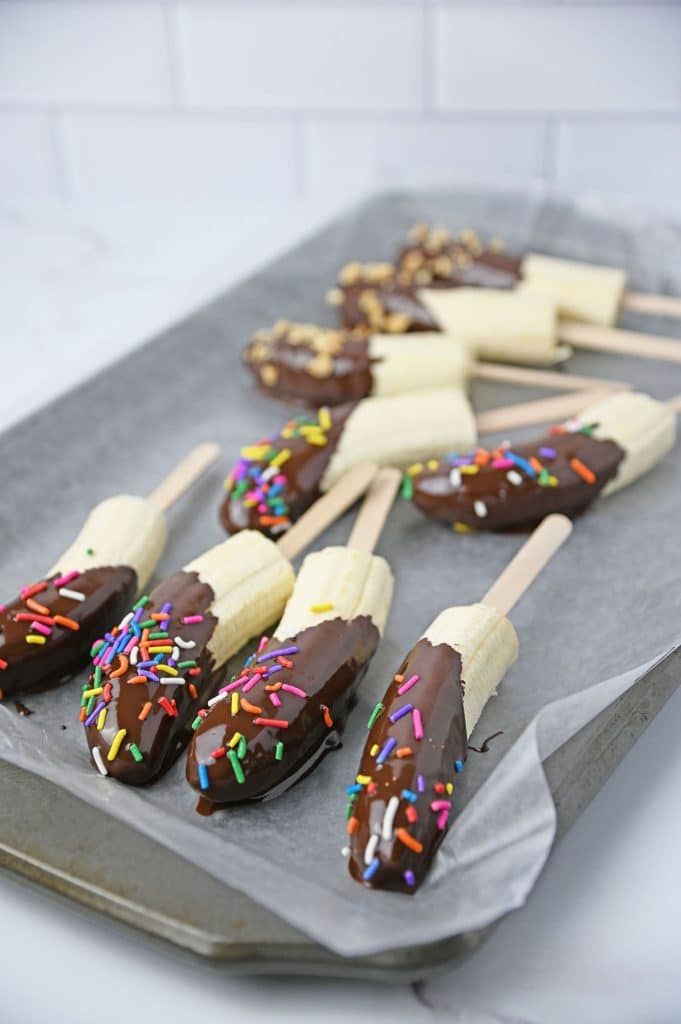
pixel 276 480
pixel 321 366
pixel 290 702
pixel 582 291
pixel 46 633
pixel 518 325
pixel 151 673
pixel 606 447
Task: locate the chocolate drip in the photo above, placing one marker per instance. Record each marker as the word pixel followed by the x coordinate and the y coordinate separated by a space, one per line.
pixel 418 773
pixel 502 493
pixel 326 665
pixel 152 743
pixel 311 365
pixel 278 479
pixel 29 666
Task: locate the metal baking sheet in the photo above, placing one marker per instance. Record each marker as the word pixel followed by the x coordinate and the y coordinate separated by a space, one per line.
pixel 224 923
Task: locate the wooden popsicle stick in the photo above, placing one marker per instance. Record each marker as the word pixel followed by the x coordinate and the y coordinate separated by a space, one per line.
pixel 543 410
pixel 656 305
pixel 375 509
pixel 523 570
pixel 612 339
pixel 184 475
pixel 544 378
pixel 344 493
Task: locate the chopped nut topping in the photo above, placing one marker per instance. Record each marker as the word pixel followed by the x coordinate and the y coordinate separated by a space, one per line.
pixel 321 365
pixel 269 375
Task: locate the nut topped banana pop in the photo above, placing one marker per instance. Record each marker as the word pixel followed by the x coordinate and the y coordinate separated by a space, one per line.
pixel 403 796
pixel 320 366
pixel 272 722
pixel 602 449
pixel 153 669
pixel 46 633
pixel 503 307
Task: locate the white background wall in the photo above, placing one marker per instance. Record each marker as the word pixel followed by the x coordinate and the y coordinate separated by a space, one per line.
pixel 117 100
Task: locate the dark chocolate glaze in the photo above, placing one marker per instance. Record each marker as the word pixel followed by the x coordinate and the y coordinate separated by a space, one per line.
pixel 161 736
pixel 300 476
pixel 452 264
pixel 388 300
pixel 310 365
pixel 108 590
pixel 331 660
pixel 439 697
pixel 522 504
pixel 390 306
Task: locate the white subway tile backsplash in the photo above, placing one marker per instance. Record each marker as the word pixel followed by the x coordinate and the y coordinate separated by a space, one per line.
pixel 76 52
pixel 567 58
pixel 128 99
pixel 287 56
pixel 355 157
pixel 625 160
pixel 27 166
pixel 171 157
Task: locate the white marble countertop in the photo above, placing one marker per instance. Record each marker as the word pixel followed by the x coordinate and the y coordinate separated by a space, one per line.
pixel 599 938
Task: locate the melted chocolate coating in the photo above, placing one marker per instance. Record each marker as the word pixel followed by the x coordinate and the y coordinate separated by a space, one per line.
pixel 522 500
pixel 160 736
pixel 311 365
pixel 388 299
pixel 331 660
pixel 108 590
pixel 249 505
pixel 390 307
pixel 452 264
pixel 418 778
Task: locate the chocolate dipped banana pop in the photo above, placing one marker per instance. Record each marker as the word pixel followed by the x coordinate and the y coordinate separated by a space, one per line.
pixel 47 631
pixel 604 448
pixel 584 291
pixel 279 477
pixel 322 366
pixel 403 795
pixel 527 314
pixel 289 705
pixel 152 671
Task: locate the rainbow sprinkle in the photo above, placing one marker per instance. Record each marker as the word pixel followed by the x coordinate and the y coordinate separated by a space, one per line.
pixel 140 650
pixel 259 479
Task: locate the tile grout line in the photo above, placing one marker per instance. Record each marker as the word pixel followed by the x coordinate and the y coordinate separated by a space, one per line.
pixel 174 57
pixel 59 160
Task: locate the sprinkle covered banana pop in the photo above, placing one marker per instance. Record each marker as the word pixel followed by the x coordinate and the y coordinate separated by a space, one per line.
pixel 46 633
pixel 289 705
pixel 278 478
pixel 402 799
pixel 153 669
pixel 604 448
